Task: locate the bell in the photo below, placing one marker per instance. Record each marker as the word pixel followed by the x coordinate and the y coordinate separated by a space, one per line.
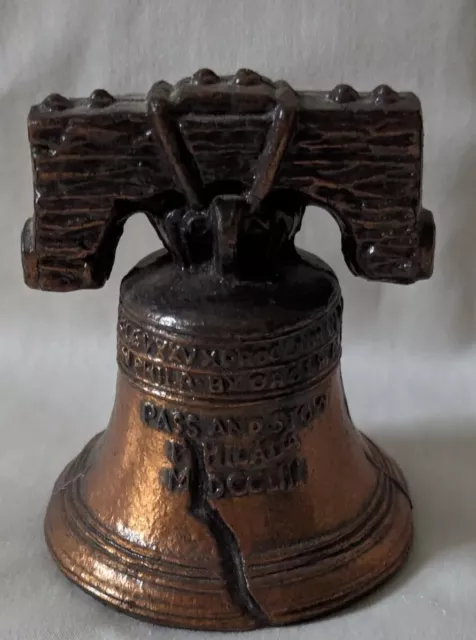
pixel 230 489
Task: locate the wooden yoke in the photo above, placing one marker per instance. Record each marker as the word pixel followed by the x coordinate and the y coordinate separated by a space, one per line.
pixel 96 161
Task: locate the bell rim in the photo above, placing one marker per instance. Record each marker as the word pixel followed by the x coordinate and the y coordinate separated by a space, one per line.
pixel 398 518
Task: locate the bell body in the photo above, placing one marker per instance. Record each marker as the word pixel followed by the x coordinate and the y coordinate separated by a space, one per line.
pixel 231 489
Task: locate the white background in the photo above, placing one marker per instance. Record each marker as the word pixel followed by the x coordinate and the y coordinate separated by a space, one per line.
pixel 409 352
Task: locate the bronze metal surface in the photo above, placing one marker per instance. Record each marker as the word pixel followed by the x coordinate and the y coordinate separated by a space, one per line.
pixel 231 489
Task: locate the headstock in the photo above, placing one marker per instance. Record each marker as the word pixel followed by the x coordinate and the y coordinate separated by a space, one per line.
pixel 222 162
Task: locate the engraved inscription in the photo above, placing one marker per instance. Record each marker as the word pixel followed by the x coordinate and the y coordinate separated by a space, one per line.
pixel 202 428
pixel 233 455
pixel 177 477
pixel 241 455
pixel 254 453
pixel 153 358
pixel 272 379
pixel 156 347
pixel 281 477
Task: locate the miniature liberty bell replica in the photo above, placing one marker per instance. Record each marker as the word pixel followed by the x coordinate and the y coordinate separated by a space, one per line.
pixel 230 489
